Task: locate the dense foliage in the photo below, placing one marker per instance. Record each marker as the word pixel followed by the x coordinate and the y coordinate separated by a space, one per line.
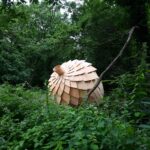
pixel 32 43
pixel 30 121
pixel 34 38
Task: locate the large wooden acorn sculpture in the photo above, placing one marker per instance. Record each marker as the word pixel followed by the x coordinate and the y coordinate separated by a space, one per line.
pixel 72 80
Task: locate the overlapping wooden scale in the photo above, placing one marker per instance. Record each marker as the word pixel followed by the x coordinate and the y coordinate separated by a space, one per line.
pixel 77 79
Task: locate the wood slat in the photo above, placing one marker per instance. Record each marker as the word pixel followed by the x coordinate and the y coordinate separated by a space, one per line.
pixel 90 84
pixel 54 84
pixel 57 86
pixel 89 69
pixel 61 89
pixel 76 78
pixel 74 101
pixel 75 93
pixel 73 84
pixel 58 99
pixel 67 83
pixel 82 85
pixel 67 89
pixel 66 97
pixel 101 88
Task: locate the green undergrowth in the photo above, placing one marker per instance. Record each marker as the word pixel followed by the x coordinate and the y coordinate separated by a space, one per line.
pixel 28 120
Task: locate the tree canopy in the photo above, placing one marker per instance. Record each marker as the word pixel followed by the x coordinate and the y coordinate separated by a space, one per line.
pixel 36 37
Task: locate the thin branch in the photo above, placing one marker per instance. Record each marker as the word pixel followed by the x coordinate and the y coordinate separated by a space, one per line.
pixel 112 63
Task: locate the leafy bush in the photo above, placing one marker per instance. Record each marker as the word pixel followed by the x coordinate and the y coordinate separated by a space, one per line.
pixel 18 102
pixel 130 99
pixel 29 121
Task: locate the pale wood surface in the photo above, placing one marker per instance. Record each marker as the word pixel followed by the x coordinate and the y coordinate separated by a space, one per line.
pixel 77 79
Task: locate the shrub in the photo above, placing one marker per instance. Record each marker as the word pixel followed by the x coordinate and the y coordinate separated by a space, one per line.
pixel 29 121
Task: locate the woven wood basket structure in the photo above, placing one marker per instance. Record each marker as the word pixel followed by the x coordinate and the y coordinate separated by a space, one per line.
pixel 72 80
